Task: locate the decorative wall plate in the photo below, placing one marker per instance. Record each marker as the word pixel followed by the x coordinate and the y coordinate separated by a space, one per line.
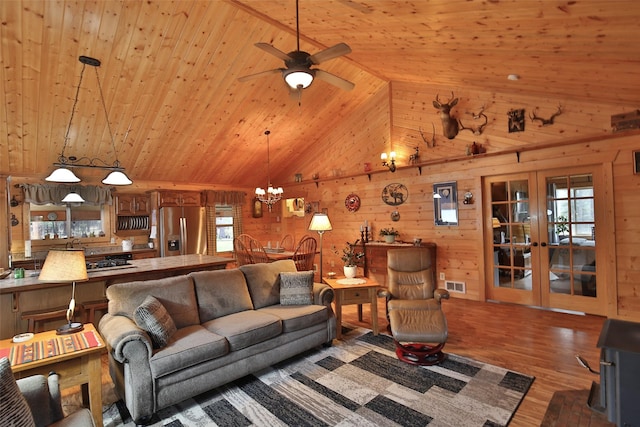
pixel 352 202
pixel 395 194
pixel 52 216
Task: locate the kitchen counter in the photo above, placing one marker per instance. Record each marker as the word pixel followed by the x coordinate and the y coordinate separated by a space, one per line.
pixel 138 270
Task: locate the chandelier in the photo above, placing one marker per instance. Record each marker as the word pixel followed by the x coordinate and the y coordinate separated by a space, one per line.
pixel 272 194
pixel 64 164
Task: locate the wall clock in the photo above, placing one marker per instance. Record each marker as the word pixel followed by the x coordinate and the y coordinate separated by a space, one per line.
pixel 395 194
pixel 352 202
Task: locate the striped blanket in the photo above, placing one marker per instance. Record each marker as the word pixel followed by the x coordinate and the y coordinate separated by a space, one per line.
pixel 37 350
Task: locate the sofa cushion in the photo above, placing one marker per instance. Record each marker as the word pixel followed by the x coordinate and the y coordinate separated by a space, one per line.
pixel 296 317
pixel 296 288
pixel 245 328
pixel 14 410
pixel 221 292
pixel 153 318
pixel 263 281
pixel 176 294
pixel 190 346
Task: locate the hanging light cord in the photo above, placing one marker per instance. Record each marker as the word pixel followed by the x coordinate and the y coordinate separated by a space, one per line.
pixel 104 106
pixel 267 132
pixel 62 158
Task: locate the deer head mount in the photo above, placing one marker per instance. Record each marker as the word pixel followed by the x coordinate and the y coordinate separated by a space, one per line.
pixel 478 130
pixel 449 124
pixel 431 143
pixel 546 122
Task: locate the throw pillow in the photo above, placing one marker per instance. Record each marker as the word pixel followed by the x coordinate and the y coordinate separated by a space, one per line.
pixel 14 410
pixel 153 318
pixel 296 288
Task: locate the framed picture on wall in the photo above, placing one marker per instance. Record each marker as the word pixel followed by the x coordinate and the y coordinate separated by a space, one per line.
pixel 636 162
pixel 445 203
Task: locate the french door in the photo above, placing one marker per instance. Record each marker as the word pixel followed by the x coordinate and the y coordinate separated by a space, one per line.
pixel 541 244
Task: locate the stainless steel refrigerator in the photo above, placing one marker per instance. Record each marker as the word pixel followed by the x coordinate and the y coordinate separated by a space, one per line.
pixel 183 231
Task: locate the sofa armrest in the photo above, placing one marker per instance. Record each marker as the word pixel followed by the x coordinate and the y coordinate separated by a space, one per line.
pixel 117 331
pixel 322 294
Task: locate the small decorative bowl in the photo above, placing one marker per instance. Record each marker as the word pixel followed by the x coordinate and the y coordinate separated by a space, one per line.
pixel 331 275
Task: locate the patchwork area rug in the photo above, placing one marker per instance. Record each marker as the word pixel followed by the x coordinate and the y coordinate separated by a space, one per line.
pixel 356 382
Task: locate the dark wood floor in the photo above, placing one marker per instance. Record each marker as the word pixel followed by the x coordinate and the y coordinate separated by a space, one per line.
pixel 527 340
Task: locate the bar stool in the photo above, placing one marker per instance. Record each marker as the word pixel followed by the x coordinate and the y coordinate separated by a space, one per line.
pixel 91 307
pixel 57 313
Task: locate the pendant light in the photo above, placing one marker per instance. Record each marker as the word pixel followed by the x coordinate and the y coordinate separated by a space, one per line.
pixel 272 194
pixel 63 173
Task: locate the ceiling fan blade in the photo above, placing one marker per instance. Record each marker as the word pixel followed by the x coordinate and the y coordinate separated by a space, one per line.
pixel 260 74
pixel 334 80
pixel 330 53
pixel 273 51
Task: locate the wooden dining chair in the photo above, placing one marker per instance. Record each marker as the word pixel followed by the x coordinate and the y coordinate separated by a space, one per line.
pixel 257 252
pixel 242 249
pixel 305 253
pixel 287 243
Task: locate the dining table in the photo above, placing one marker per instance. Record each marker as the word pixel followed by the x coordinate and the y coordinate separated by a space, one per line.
pixel 276 255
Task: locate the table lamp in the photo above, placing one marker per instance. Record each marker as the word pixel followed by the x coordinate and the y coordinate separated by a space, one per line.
pixel 63 266
pixel 320 223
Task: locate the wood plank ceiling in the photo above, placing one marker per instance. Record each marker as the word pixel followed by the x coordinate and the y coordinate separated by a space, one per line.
pixel 170 72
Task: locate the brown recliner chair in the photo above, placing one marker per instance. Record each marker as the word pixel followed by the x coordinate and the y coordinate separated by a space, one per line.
pixel 416 320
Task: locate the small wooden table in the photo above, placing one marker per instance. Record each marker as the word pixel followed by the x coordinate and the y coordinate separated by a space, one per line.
pixel 75 368
pixel 365 293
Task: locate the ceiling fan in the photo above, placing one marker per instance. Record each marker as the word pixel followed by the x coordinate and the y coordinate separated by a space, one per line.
pixel 298 73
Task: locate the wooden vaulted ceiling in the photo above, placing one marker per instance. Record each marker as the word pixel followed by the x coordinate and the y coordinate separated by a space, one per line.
pixel 178 113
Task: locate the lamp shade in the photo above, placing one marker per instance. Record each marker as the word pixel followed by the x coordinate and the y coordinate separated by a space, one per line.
pixel 320 222
pixel 117 178
pixel 495 222
pixel 63 266
pixel 62 175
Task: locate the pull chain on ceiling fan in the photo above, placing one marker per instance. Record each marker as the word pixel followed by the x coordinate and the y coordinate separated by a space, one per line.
pixel 298 73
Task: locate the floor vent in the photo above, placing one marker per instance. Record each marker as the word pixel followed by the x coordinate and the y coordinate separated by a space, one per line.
pixel 455 286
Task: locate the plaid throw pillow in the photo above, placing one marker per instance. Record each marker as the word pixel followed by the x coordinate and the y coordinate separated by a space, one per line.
pixel 153 318
pixel 296 288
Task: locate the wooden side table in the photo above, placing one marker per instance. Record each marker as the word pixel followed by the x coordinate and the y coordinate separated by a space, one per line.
pixel 346 294
pixel 75 368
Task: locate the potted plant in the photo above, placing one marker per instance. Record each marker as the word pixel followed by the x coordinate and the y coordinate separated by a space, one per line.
pixel 351 258
pixel 562 227
pixel 389 234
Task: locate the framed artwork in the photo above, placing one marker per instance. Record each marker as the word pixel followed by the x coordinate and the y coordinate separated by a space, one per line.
pixel 636 162
pixel 257 208
pixel 445 203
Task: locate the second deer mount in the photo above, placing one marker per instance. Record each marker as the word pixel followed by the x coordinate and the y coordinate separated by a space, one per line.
pixel 543 121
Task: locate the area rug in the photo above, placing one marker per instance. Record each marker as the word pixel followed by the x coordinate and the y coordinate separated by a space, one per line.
pixel 356 382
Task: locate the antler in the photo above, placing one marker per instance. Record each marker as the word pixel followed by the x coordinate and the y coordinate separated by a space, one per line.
pixel 546 122
pixel 431 143
pixel 480 129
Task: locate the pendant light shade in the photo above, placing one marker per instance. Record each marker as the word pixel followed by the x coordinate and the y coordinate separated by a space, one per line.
pixel 299 78
pixel 117 178
pixel 73 197
pixel 62 175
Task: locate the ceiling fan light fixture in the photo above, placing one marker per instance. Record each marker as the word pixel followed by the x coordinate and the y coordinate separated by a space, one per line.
pixel 62 175
pixel 298 78
pixel 117 178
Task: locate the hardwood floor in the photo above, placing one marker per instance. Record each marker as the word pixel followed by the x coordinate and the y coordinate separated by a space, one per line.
pixel 527 340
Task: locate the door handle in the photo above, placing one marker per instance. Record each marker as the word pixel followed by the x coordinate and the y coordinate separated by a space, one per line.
pixel 543 244
pixel 534 244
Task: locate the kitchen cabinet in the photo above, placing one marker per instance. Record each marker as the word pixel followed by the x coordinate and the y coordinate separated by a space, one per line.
pixel 375 259
pixel 132 204
pixel 180 198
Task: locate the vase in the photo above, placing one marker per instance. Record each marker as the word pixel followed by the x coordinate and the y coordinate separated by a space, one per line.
pixel 350 271
pixel 389 238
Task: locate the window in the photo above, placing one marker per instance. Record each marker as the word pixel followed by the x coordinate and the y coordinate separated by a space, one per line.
pixel 66 221
pixel 224 228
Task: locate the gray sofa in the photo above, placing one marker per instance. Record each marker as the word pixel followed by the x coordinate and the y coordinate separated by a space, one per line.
pixel 228 323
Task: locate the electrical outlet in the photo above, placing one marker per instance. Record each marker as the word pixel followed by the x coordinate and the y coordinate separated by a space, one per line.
pixel 315 268
pixel 442 276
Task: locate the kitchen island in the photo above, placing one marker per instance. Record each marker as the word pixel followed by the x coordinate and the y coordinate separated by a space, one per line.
pixel 29 294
